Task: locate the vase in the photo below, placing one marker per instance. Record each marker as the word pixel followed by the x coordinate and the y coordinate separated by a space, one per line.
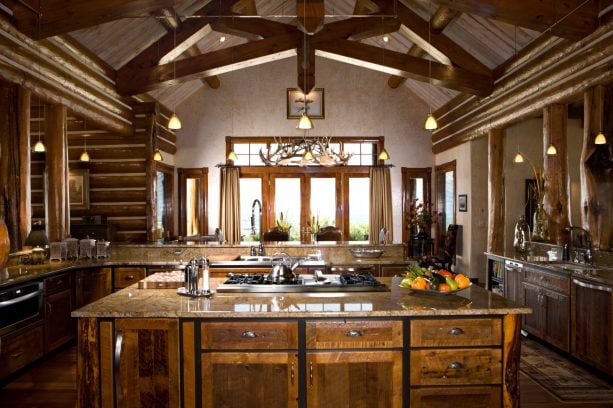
pixel 5 244
pixel 422 234
pixel 540 224
pixel 521 241
pixel 314 237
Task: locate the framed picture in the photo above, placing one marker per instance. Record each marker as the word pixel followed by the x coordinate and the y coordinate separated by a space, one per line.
pixel 462 203
pixel 78 188
pixel 314 103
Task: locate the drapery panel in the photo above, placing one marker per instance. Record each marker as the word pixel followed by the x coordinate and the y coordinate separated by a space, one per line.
pixel 380 203
pixel 230 204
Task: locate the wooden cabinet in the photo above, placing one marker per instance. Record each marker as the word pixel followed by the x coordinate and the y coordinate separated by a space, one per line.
pixel 20 348
pixel 462 358
pixel 548 294
pixel 139 362
pixel 127 275
pixel 392 270
pixel 249 363
pixel 91 285
pixel 370 353
pixel 592 324
pixel 58 303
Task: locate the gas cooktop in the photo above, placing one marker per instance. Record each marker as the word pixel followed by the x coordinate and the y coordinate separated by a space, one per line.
pixel 346 282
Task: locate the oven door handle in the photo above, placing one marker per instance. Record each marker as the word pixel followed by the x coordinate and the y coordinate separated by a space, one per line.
pixel 20 299
pixel 117 368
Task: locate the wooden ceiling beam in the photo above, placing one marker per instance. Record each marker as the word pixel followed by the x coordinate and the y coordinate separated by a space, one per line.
pixel 569 19
pixel 306 65
pixel 356 29
pixel 252 29
pixel 363 7
pixel 310 15
pixel 59 16
pixel 404 65
pixel 133 80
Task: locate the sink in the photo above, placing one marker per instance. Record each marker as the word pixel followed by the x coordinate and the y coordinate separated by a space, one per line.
pixel 249 258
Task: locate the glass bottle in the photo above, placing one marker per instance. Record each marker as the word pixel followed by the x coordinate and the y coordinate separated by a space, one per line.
pixel 540 224
pixel 521 242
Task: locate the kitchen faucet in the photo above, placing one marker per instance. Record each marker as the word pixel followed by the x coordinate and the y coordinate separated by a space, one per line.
pixel 259 204
pixel 580 239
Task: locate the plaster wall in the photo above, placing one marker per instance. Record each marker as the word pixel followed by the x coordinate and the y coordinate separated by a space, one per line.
pixel 252 102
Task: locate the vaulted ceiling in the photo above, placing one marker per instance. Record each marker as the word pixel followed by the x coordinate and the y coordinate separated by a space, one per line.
pixel 438 49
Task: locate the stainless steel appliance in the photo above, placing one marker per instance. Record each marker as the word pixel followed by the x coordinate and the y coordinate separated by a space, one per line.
pixel 20 306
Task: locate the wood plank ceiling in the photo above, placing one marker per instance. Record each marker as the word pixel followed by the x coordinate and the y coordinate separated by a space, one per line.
pixel 438 49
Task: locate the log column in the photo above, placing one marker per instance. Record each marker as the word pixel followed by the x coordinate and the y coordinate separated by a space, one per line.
pixel 556 171
pixel 57 173
pixel 596 195
pixel 495 191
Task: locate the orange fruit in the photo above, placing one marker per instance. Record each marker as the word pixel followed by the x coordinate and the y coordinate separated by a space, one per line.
pixel 444 273
pixel 419 283
pixel 462 281
pixel 443 287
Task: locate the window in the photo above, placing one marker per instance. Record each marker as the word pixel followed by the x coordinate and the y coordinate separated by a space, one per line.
pixel 250 191
pixel 193 186
pixel 287 204
pixel 164 186
pixel 359 208
pixel 415 185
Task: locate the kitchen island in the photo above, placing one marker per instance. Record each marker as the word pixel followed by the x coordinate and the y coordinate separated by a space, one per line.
pixel 153 347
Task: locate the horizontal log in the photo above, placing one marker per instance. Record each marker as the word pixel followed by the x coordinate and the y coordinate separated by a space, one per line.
pixel 164 132
pixel 96 167
pixel 166 147
pixel 131 236
pixel 126 225
pixel 118 181
pixel 111 196
pixel 114 210
pixel 114 153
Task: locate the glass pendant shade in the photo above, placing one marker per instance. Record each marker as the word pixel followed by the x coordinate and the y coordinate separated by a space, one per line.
pixel 305 122
pixel 84 156
pixel 157 155
pixel 600 139
pixel 430 123
pixel 518 158
pixel 308 155
pixel 384 155
pixel 232 156
pixel 174 122
pixel 551 150
pixel 39 147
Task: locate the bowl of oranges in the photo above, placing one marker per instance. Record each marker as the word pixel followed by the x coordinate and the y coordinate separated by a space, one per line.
pixel 439 281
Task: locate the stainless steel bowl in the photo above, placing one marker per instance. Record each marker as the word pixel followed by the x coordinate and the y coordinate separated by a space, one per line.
pixel 366 252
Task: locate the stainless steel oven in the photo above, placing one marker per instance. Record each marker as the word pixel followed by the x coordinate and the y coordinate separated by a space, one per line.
pixel 20 306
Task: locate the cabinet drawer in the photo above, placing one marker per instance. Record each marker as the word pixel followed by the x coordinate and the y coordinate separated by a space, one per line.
pixel 456 367
pixel 456 332
pixel 58 283
pixel 456 397
pixel 20 349
pixel 249 335
pixel 552 281
pixel 340 334
pixel 123 277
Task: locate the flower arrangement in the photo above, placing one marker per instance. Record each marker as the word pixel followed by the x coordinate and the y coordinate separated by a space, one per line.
pixel 313 225
pixel 283 224
pixel 420 214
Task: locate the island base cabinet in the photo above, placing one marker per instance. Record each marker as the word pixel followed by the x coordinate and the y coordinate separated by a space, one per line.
pixel 456 397
pixel 249 380
pixel 140 363
pixel 354 379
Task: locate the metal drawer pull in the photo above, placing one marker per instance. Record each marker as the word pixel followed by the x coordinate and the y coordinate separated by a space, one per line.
pixel 249 335
pixel 311 373
pixel 456 331
pixel 291 376
pixel 353 333
pixel 15 355
pixel 456 365
pixel 590 286
pixel 130 277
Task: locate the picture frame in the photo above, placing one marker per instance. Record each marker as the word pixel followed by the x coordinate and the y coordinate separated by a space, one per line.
pixel 315 103
pixel 463 202
pixel 78 189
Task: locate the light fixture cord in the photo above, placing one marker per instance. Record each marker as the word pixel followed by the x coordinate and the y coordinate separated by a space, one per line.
pixel 429 62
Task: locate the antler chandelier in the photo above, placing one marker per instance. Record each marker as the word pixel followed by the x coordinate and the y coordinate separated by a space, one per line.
pixel 315 151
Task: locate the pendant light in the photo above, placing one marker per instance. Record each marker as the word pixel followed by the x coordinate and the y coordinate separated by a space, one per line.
pixel 84 156
pixel 384 155
pixel 174 123
pixel 157 155
pixel 430 122
pixel 305 122
pixel 551 149
pixel 600 139
pixel 519 158
pixel 39 147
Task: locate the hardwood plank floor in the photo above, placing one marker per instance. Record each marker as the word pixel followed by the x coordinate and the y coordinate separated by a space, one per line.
pixel 52 384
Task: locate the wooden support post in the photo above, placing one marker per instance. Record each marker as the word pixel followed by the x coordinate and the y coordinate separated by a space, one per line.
pixel 495 222
pixel 596 194
pixel 57 172
pixel 25 187
pixel 556 171
pixel 151 196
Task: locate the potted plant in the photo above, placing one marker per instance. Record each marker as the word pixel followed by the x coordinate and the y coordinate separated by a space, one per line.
pixel 421 217
pixel 282 223
pixel 313 226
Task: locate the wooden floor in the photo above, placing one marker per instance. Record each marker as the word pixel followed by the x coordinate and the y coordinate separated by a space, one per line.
pixel 51 384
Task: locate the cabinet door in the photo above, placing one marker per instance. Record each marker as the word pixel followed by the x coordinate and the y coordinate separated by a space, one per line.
pixel 239 379
pixel 511 283
pixel 592 319
pixel 557 319
pixel 354 379
pixel 531 296
pixel 393 270
pixel 146 364
pixel 91 285
pixel 59 326
pixel 20 349
pixel 126 276
pixel 456 397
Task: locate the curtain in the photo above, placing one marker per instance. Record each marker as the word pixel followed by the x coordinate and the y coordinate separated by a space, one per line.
pixel 380 203
pixel 230 204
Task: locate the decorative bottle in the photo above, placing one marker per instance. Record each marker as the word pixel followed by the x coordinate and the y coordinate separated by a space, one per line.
pixel 521 242
pixel 540 224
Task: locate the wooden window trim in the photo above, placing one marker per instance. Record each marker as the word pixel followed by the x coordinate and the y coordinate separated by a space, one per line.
pixel 202 175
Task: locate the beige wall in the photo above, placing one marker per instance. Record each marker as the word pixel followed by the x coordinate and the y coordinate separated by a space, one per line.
pixel 358 102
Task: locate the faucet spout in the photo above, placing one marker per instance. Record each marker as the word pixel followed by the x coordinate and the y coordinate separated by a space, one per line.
pixel 580 243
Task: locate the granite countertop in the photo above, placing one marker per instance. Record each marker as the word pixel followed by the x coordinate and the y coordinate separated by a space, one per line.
pixel 398 302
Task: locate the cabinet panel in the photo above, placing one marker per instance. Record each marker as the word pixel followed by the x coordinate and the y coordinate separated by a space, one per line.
pixel 353 334
pixel 248 335
pixel 456 332
pixel 59 326
pixel 234 379
pixel 20 349
pixel 354 379
pixel 551 281
pixel 456 397
pixel 126 276
pixel 455 366
pixel 393 270
pixel 91 285
pixel 58 283
pixel 557 318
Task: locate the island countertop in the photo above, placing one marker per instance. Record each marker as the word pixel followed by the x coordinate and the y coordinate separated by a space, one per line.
pixel 135 302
